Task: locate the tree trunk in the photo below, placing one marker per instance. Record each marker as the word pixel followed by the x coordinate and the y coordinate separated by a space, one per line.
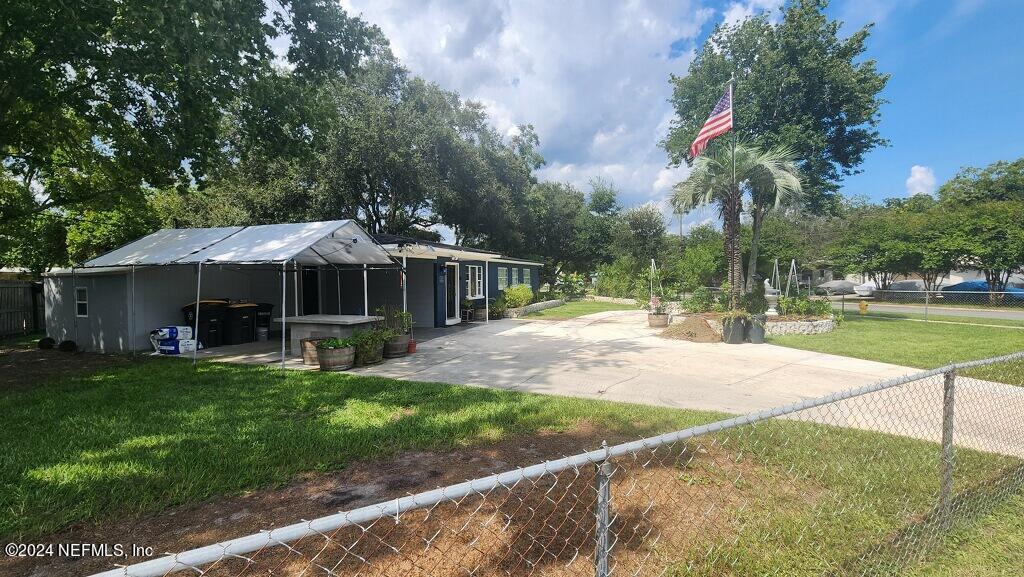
pixel 731 226
pixel 755 240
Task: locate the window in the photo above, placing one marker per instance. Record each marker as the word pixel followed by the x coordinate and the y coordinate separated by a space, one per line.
pixel 81 302
pixel 526 277
pixel 502 278
pixel 518 274
pixel 474 281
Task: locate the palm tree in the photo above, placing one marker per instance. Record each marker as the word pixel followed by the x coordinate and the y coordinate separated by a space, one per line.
pixel 769 176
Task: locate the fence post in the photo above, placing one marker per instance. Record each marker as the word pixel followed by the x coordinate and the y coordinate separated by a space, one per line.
pixel 926 299
pixel 602 510
pixel 946 488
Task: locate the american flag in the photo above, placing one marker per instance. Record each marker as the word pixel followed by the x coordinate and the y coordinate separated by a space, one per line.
pixel 717 124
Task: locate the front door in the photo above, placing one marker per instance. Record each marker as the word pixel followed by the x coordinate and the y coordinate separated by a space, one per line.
pixel 451 282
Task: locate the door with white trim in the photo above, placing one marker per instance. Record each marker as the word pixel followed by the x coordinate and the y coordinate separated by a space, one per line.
pixel 451 299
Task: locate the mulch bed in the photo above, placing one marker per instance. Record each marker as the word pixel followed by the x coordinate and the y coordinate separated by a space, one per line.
pixel 24 366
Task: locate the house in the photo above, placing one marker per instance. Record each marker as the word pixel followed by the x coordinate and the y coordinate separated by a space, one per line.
pixel 112 302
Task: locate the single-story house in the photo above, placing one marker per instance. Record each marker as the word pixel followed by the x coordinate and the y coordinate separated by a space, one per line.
pixel 112 302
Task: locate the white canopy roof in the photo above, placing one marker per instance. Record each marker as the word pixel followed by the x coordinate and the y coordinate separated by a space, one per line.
pixel 309 243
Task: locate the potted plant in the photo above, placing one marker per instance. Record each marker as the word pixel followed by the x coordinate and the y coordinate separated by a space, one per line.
pixel 734 326
pixel 657 316
pixel 757 304
pixel 335 354
pixel 399 323
pixel 369 345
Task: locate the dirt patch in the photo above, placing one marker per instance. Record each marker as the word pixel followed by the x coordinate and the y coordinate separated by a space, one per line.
pixel 669 504
pixel 693 328
pixel 25 366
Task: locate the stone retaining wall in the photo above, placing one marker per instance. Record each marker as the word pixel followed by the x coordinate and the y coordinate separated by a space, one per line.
pixel 790 327
pixel 532 308
pixel 616 300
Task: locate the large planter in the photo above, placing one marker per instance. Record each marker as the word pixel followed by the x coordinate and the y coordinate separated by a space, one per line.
pixel 657 320
pixel 398 346
pixel 366 357
pixel 756 331
pixel 734 330
pixel 479 314
pixel 309 352
pixel 336 359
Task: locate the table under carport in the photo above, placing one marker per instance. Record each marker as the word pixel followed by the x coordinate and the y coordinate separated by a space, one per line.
pixel 338 245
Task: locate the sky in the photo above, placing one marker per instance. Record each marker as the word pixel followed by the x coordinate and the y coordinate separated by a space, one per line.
pixel 593 79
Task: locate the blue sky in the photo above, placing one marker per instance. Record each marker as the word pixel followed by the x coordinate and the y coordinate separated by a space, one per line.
pixel 592 77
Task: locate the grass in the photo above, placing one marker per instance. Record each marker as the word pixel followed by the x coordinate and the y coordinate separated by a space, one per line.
pixel 941 318
pixel 573 309
pixel 915 344
pixel 137 439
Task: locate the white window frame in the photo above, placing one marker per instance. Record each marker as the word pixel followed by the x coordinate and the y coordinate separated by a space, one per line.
pixel 84 301
pixel 502 278
pixel 518 274
pixel 526 277
pixel 474 281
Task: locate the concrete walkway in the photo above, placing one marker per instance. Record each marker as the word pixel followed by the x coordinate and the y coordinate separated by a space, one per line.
pixel 615 356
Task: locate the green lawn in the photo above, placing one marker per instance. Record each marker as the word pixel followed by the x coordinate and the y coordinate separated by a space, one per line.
pixel 571 310
pixel 918 344
pixel 137 439
pixel 943 318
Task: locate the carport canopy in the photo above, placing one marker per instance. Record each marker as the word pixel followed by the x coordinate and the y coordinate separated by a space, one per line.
pixel 333 242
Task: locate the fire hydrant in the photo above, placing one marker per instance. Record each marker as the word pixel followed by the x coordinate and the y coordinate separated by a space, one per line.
pixel 863 306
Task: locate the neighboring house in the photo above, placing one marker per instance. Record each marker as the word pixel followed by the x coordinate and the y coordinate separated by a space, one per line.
pixel 112 302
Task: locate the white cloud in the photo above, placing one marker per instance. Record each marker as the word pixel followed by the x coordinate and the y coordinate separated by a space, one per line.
pixel 592 80
pixel 921 180
pixel 736 12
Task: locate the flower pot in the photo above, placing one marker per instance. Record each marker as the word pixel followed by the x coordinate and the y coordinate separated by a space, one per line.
pixel 479 315
pixel 734 330
pixel 309 352
pixel 756 331
pixel 336 359
pixel 366 357
pixel 412 346
pixel 398 346
pixel 657 320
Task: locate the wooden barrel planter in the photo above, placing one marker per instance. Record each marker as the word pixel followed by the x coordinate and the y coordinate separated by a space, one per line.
pixel 336 359
pixel 397 346
pixel 657 320
pixel 369 356
pixel 309 353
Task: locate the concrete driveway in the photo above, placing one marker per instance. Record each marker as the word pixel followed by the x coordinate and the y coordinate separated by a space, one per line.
pixel 615 356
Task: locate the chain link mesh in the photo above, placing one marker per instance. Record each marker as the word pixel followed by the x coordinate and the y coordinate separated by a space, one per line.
pixel 863 483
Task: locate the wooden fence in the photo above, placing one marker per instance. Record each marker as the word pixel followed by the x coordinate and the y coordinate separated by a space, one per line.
pixel 21 307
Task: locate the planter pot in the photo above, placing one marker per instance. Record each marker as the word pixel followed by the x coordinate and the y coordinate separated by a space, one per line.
pixel 336 359
pixel 412 346
pixel 657 320
pixel 364 357
pixel 309 352
pixel 398 346
pixel 734 331
pixel 756 331
pixel 479 315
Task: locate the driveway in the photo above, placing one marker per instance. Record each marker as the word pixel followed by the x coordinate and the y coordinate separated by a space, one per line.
pixel 615 356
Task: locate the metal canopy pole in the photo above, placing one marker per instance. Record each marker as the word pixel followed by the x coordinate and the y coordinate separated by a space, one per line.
pixel 366 295
pixel 338 271
pixel 133 336
pixel 195 333
pixel 487 291
pixel 284 312
pixel 298 269
pixel 405 284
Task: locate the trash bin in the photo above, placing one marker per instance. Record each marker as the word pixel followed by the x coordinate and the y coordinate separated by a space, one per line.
pixel 264 317
pixel 211 321
pixel 239 323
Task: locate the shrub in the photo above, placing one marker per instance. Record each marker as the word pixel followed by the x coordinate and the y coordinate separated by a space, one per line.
pixel 616 279
pixel 755 301
pixel 701 301
pixel 46 343
pixel 369 343
pixel 395 319
pixel 336 343
pixel 498 307
pixel 518 296
pixel 573 285
pixel 803 306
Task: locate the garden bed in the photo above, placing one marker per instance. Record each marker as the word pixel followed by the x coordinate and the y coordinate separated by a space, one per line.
pixel 775 326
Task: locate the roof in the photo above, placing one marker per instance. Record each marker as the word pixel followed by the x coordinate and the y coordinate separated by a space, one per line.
pixel 401 241
pixel 339 242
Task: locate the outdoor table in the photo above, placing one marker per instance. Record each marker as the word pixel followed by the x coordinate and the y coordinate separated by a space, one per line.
pixel 324 326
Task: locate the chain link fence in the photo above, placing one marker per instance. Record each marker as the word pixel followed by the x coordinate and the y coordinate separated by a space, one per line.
pixel 863 482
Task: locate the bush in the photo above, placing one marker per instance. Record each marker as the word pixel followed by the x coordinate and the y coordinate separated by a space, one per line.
pixel 616 279
pixel 804 306
pixel 47 343
pixel 368 344
pixel 498 307
pixel 701 301
pixel 573 285
pixel 518 296
pixel 336 343
pixel 755 301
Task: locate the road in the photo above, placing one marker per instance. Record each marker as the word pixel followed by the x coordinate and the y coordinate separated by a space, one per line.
pixel 1008 314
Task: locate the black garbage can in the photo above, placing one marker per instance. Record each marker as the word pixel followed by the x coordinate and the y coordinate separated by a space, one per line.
pixel 264 317
pixel 239 323
pixel 211 321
